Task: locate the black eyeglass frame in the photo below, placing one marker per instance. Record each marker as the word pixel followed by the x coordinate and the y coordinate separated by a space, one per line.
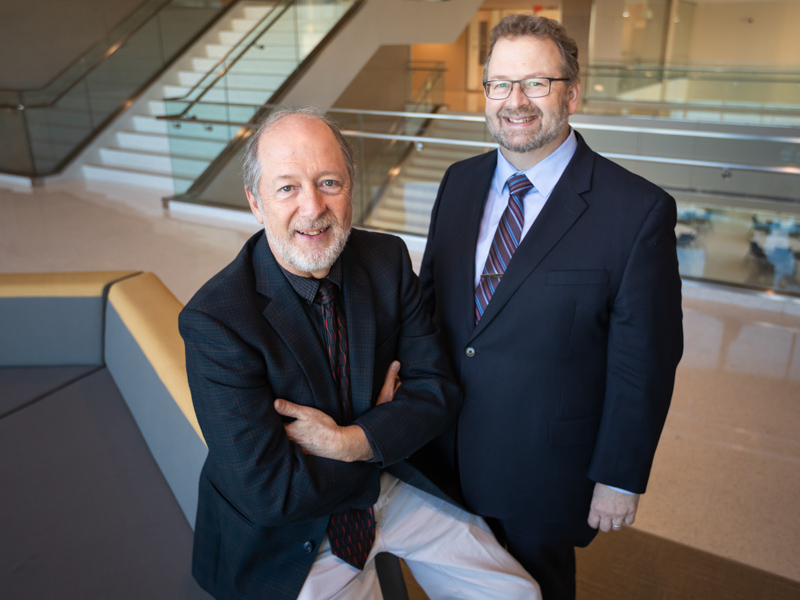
pixel 550 81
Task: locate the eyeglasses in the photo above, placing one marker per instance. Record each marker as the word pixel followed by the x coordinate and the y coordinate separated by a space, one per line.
pixel 535 87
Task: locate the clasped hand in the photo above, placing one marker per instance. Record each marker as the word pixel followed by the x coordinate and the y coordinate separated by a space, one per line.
pixel 318 434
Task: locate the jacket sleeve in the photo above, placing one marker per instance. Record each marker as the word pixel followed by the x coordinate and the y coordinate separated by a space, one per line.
pixel 251 461
pixel 428 399
pixel 645 343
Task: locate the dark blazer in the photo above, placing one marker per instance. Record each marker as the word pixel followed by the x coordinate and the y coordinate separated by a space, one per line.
pixel 568 376
pixel 264 505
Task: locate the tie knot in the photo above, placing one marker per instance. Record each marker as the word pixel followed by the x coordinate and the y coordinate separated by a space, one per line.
pixel 326 291
pixel 518 185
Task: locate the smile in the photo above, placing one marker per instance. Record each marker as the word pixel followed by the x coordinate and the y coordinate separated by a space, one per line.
pixel 314 232
pixel 519 121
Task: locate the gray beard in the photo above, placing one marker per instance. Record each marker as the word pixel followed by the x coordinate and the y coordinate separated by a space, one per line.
pixel 545 134
pixel 309 262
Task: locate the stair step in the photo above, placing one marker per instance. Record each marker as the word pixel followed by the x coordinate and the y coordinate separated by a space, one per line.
pixel 135 178
pixel 187 167
pixel 149 124
pixel 255 12
pixel 161 144
pixel 243 25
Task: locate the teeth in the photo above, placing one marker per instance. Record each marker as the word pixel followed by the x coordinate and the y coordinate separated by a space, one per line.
pixel 315 232
pixel 525 120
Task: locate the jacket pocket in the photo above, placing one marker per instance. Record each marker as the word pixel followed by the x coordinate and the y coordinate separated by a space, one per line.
pixel 573 432
pixel 585 277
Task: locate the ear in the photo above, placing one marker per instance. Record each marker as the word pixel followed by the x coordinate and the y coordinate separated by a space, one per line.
pixel 572 97
pixel 254 208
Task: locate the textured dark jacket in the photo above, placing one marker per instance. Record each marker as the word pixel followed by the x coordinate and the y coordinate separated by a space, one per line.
pixel 264 505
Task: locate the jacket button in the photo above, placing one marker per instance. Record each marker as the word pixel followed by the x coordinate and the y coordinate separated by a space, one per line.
pixel 470 351
pixel 308 547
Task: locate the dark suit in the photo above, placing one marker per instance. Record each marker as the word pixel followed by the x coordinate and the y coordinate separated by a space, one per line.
pixel 568 376
pixel 264 505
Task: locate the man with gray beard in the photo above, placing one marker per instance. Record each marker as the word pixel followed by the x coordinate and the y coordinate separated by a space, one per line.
pixel 286 351
pixel 553 276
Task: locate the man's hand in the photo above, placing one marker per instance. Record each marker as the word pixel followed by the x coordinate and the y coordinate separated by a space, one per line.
pixel 611 509
pixel 390 383
pixel 319 435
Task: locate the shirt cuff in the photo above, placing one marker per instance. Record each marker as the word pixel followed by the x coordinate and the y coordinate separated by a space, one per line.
pixel 616 489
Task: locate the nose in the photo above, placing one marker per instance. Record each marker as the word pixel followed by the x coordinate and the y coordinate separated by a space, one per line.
pixel 517 98
pixel 312 203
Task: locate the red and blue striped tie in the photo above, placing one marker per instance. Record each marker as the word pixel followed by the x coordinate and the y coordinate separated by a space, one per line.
pixel 505 242
pixel 351 531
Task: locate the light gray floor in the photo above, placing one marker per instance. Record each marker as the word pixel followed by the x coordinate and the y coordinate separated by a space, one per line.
pixel 726 475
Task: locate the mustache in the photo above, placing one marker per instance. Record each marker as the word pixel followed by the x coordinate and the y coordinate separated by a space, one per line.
pixel 316 224
pixel 520 112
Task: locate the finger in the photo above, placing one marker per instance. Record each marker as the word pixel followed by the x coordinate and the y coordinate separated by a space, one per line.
pixel 390 383
pixel 630 518
pixel 286 408
pixel 593 520
pixel 605 524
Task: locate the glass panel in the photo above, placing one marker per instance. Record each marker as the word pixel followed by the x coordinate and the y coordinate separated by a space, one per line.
pixel 64 115
pixel 15 153
pixel 56 131
pixel 227 98
pixel 754 248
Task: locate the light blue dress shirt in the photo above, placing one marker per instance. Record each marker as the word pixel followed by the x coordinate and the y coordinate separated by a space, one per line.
pixel 544 176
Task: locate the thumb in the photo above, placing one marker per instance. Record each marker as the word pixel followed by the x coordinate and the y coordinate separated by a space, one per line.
pixel 285 408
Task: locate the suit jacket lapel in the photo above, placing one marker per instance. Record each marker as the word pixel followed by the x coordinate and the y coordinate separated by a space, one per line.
pixel 286 315
pixel 562 209
pixel 466 242
pixel 361 331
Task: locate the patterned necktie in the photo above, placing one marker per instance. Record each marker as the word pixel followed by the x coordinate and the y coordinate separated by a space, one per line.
pixel 505 242
pixel 351 531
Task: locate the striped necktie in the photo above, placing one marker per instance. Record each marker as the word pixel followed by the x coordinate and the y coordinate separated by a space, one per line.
pixel 351 531
pixel 505 242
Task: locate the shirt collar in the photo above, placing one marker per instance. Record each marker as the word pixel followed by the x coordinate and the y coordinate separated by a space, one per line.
pixel 307 287
pixel 545 174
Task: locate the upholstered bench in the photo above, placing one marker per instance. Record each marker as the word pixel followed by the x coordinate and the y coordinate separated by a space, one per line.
pixel 101 447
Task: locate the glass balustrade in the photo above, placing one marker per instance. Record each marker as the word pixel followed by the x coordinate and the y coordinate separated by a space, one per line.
pixel 247 77
pixel 712 93
pixel 40 130
pixel 737 187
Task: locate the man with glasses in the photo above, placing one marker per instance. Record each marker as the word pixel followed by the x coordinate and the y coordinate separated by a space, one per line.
pixel 553 275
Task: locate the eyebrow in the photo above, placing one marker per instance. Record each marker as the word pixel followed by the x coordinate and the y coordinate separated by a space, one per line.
pixel 323 174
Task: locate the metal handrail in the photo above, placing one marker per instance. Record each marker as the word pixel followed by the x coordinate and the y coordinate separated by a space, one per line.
pixel 224 58
pixel 695 106
pixel 696 68
pixel 105 57
pixel 481 119
pixel 786 170
pixel 636 157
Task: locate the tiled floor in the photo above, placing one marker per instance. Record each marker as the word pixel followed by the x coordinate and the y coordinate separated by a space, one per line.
pixel 727 474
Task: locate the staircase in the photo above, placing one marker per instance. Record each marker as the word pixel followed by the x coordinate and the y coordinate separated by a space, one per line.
pixel 406 203
pixel 140 150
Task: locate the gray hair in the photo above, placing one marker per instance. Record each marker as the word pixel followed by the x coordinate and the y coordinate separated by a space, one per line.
pixel 514 26
pixel 251 165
